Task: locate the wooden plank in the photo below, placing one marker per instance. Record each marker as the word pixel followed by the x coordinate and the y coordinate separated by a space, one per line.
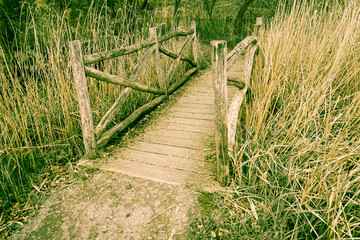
pixel 193 115
pixel 81 86
pixel 184 127
pixel 197 99
pixel 190 109
pixel 195 122
pixel 172 141
pixel 180 163
pixel 188 127
pixel 138 113
pixel 152 172
pixel 219 49
pixel 96 57
pixel 168 150
pixel 203 90
pixel 178 133
pixel 199 93
pixel 109 78
pixel 193 105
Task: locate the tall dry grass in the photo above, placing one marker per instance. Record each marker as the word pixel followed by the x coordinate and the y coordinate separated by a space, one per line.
pixel 39 117
pixel 300 173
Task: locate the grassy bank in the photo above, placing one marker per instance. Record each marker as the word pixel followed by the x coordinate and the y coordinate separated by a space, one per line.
pixel 39 117
pixel 299 177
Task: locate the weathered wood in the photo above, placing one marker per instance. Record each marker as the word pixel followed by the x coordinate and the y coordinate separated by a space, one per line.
pixel 233 116
pixel 81 86
pixel 238 49
pixel 173 162
pixel 96 57
pixel 195 154
pixel 173 141
pixel 137 114
pixel 110 114
pixel 157 61
pixel 175 64
pixel 195 43
pixel 257 25
pixel 259 21
pixel 109 78
pixel 218 56
pixel 239 101
pixel 175 56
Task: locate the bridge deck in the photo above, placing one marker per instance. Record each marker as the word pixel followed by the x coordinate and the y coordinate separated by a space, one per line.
pixel 173 149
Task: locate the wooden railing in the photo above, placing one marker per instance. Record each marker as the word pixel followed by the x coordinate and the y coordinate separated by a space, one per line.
pixel 98 137
pixel 227 115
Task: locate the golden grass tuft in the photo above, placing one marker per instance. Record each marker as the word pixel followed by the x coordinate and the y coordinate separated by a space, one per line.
pixel 300 171
pixel 39 117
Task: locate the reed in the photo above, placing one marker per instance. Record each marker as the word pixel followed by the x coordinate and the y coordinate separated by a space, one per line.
pixel 299 174
pixel 39 116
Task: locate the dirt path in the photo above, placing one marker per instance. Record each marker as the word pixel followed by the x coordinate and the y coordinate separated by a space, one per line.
pixel 114 206
pixel 148 189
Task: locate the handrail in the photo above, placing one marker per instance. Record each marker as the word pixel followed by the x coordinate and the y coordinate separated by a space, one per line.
pixel 96 57
pixel 227 116
pixel 238 49
pixel 109 78
pixel 238 101
pixel 98 137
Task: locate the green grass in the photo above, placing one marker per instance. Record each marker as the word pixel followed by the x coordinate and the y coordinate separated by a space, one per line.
pixel 298 171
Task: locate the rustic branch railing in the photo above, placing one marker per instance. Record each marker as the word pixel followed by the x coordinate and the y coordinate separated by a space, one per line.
pixel 100 136
pixel 228 115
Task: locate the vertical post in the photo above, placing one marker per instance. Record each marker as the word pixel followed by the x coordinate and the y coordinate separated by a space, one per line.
pixel 157 61
pixel 257 25
pixel 195 43
pixel 218 56
pixel 81 86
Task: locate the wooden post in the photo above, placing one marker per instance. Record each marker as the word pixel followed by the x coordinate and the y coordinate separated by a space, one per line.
pixel 257 25
pixel 157 61
pixel 81 86
pixel 195 43
pixel 219 50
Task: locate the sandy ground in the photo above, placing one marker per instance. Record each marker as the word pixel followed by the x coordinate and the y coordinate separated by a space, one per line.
pixel 114 206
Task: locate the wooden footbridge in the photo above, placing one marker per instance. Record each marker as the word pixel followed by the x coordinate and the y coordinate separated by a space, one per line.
pixel 173 149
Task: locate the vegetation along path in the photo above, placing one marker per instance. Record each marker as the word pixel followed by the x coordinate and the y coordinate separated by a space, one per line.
pixel 161 171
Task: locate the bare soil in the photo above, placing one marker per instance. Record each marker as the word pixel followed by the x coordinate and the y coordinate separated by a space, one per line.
pixel 114 206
